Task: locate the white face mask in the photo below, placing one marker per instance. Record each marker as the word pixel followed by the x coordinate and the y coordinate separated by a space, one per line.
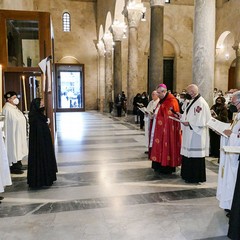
pixel 16 101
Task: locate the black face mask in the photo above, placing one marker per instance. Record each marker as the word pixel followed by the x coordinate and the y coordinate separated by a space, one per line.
pixel 232 108
pixel 188 96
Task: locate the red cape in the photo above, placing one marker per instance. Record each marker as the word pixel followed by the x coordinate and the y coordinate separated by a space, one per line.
pixel 167 135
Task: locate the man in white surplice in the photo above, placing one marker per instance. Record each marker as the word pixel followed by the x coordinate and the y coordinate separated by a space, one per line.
pixel 5 177
pixel 150 108
pixel 15 132
pixel 195 137
pixel 228 165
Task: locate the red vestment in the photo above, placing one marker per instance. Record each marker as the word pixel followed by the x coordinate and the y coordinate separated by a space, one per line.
pixel 166 142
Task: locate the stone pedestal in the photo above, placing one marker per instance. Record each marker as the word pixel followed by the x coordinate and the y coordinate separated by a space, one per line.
pixel 204 47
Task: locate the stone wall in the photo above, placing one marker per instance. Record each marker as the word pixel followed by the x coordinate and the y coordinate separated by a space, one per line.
pixel 79 43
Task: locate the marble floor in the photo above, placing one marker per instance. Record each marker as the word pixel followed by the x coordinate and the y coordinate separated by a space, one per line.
pixel 106 190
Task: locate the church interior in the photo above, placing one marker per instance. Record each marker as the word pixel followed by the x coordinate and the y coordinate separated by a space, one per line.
pixel 96 49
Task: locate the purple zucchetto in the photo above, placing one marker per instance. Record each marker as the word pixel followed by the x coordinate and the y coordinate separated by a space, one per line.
pixel 162 85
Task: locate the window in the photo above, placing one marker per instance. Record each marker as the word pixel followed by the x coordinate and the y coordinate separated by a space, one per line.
pixel 66 22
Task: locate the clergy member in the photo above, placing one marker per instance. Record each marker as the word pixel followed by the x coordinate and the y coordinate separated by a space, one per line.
pixel 15 132
pixel 228 165
pixel 234 221
pixel 195 137
pixel 5 177
pixel 165 139
pixel 150 109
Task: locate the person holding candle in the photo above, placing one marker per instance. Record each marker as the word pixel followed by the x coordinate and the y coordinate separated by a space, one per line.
pixel 15 130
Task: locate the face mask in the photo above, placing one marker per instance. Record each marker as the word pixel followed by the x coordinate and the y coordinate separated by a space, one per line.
pixel 16 101
pixel 233 108
pixel 143 96
pixel 181 100
pixel 188 96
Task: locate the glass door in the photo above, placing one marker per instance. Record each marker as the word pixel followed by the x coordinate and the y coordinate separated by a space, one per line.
pixel 70 90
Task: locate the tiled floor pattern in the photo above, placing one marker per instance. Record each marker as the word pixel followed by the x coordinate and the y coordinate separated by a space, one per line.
pixel 106 190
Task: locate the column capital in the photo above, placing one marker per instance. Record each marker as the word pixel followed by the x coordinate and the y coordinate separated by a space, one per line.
pixel 154 3
pixel 108 43
pixel 118 30
pixel 101 48
pixel 134 12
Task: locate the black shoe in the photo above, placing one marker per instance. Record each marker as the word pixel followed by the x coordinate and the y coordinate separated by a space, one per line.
pixel 1 198
pixel 146 152
pixel 16 171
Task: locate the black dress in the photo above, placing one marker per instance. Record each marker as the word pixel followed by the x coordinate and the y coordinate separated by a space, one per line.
pixel 222 115
pixel 234 219
pixel 42 166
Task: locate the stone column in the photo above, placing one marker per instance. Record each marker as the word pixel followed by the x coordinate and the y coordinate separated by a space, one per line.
pixel 134 13
pixel 101 75
pixel 118 30
pixel 204 47
pixel 108 42
pixel 156 44
pixel 236 47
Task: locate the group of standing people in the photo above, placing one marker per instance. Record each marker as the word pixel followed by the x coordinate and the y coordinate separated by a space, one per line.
pixel 182 139
pixel 42 166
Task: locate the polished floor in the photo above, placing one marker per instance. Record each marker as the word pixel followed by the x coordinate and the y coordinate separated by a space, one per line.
pixel 106 190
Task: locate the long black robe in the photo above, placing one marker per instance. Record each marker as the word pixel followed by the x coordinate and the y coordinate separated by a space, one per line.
pixel 42 166
pixel 234 220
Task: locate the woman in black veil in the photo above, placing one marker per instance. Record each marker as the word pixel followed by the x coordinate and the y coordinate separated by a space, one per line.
pixel 42 166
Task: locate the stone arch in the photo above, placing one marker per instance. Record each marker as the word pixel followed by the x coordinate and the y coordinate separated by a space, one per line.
pixel 224 60
pixel 69 60
pixel 174 43
pixel 119 6
pixel 224 50
pixel 101 32
pixel 108 22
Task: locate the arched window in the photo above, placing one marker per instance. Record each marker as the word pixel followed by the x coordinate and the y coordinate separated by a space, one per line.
pixel 66 22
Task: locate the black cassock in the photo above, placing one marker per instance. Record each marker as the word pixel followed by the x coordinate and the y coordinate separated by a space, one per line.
pixel 42 166
pixel 234 219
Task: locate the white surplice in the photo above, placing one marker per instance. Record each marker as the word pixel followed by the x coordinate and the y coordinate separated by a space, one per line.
pixel 5 177
pixel 228 167
pixel 195 141
pixel 15 133
pixel 150 107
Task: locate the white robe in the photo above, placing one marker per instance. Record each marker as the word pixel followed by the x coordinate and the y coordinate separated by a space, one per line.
pixel 228 168
pixel 15 133
pixel 150 107
pixel 5 177
pixel 195 142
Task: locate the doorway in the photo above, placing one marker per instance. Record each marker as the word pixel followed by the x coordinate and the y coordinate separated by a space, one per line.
pixel 70 88
pixel 168 69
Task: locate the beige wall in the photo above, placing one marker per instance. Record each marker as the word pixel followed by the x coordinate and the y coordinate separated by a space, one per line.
pixel 79 43
pixel 87 16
